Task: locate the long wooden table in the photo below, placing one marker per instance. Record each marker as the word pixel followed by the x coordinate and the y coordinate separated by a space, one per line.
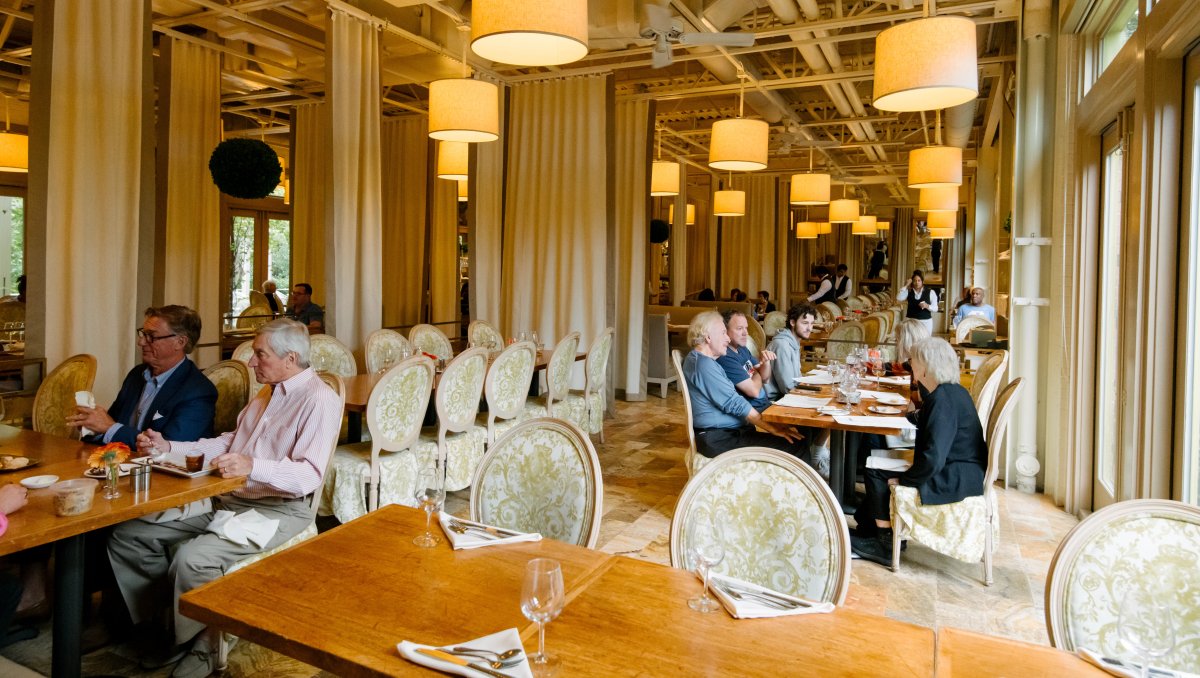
pixel 36 523
pixel 964 653
pixel 343 600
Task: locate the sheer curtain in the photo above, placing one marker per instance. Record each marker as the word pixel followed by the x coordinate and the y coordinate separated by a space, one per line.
pixel 902 256
pixel 748 243
pixel 556 210
pixel 486 213
pixel 192 251
pixel 405 171
pixel 633 121
pixel 443 255
pixel 310 189
pixel 355 242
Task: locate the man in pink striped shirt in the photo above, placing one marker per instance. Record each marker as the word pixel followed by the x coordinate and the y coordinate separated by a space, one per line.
pixel 281 445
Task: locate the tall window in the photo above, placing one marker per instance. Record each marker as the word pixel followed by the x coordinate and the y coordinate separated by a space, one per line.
pixel 1120 28
pixel 1108 330
pixel 260 249
pixel 12 242
pixel 1187 460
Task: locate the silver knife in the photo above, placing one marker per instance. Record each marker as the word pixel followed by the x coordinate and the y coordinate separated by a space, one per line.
pixel 767 594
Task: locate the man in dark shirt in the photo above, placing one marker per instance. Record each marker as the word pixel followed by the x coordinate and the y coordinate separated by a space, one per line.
pixel 304 311
pixel 748 373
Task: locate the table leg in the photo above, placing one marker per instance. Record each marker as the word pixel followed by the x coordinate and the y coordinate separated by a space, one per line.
pixel 68 607
pixel 837 462
pixel 849 499
pixel 354 427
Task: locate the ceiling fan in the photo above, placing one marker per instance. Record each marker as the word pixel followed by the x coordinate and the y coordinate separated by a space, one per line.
pixel 665 31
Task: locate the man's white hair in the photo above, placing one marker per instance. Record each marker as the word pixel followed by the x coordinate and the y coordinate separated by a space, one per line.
pixel 286 336
pixel 939 359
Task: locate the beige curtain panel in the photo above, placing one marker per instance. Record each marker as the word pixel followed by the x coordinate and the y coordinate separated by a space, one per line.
pixel 405 173
pixel 633 122
pixel 748 242
pixel 310 194
pixel 487 224
pixel 443 255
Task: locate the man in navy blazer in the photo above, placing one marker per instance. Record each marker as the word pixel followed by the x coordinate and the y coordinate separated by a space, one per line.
pixel 166 393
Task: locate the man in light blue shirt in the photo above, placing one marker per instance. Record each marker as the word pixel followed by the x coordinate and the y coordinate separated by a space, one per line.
pixel 976 307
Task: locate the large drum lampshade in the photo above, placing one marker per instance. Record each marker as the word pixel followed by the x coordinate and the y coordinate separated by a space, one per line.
pixel 938 200
pixel 843 211
pixel 809 189
pixel 738 145
pixel 664 178
pixel 926 64
pixel 935 167
pixel 530 32
pixel 729 203
pixel 461 109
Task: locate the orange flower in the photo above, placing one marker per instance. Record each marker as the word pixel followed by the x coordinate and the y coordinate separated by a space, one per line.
pixel 114 453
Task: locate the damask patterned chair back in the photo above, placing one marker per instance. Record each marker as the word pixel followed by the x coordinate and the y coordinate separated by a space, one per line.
pixel 831 309
pixel 783 527
pixel 842 340
pixel 258 299
pixel 431 340
pixel 334 382
pixel 254 316
pixel 55 398
pixel 244 352
pixel 775 321
pixel 854 304
pixel 843 306
pixel 758 336
pixel 885 324
pixel 483 335
pixel 692 459
pixel 1152 544
pixel 379 343
pixel 594 391
pixel 865 302
pixel 12 312
pixel 232 379
pixel 872 330
pixel 327 354
pixel 395 411
pixel 969 324
pixel 541 476
pixel 459 391
pixel 986 383
pixel 507 384
pixel 558 372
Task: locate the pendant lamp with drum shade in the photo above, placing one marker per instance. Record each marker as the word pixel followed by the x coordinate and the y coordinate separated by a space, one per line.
pixel 452 160
pixel 690 219
pixel 462 109
pixel 935 166
pixel 942 220
pixel 864 226
pixel 729 203
pixel 809 189
pixel 941 233
pixel 824 228
pixel 664 176
pixel 14 147
pixel 739 144
pixel 806 230
pixel 938 200
pixel 881 225
pixel 530 32
pixel 463 195
pixel 843 211
pixel 926 64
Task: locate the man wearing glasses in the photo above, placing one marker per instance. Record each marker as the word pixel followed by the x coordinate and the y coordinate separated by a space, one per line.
pixel 166 393
pixel 302 310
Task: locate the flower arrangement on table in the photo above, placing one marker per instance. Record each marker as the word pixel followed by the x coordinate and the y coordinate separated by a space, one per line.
pixel 112 453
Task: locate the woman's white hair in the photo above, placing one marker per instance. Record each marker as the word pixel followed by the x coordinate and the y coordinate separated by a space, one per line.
pixel 698 330
pixel 908 333
pixel 939 359
pixel 286 336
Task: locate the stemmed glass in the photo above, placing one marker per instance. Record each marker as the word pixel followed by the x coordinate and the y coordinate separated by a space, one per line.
pixel 430 495
pixel 533 336
pixel 389 359
pixel 706 550
pixel 1146 627
pixel 542 598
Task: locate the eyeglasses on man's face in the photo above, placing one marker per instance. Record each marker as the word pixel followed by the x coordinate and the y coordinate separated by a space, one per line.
pixel 148 336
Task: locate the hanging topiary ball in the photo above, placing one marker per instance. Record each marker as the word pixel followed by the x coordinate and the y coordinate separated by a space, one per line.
pixel 245 168
pixel 659 231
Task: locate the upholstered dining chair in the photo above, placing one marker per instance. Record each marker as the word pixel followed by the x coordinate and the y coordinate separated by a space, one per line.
pixel 1151 544
pixel 386 464
pixel 783 527
pixel 327 354
pixel 243 353
pixel 966 530
pixel 379 343
pixel 254 316
pixel 457 443
pixel 832 309
pixel 658 359
pixel 843 306
pixel 506 388
pixel 986 383
pixel 558 386
pixel 757 338
pixel 541 476
pixel 773 322
pixel 843 338
pixel 872 330
pixel 593 401
pixel 232 379
pixel 224 640
pixel 692 459
pixel 483 335
pixel 962 331
pixel 431 340
pixel 258 299
pixel 55 398
pixel 854 304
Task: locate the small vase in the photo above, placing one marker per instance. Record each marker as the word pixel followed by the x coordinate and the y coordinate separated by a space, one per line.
pixel 112 473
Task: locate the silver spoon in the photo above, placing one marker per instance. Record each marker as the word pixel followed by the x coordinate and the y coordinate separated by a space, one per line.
pixel 502 660
pixel 507 654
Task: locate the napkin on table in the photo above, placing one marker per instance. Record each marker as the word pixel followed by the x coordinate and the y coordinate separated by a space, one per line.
pixel 85 399
pixel 243 528
pixel 497 642
pixel 473 540
pixel 748 608
pixel 1128 669
pixel 885 397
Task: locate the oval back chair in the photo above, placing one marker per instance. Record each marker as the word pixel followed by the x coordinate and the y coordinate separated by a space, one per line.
pixel 254 316
pixel 243 353
pixel 385 348
pixel 55 399
pixel 804 549
pixel 431 340
pixel 832 309
pixel 986 383
pixel 459 443
pixel 775 321
pixel 962 331
pixel 542 476
pixel 872 330
pixel 232 379
pixel 594 390
pixel 327 354
pixel 842 340
pixel 483 335
pixel 692 459
pixel 506 387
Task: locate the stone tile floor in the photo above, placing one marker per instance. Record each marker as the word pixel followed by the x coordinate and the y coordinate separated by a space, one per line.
pixel 643 477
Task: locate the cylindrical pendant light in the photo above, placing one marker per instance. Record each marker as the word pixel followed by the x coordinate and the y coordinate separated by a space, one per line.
pixel 926 64
pixel 843 211
pixel 664 178
pixel 882 225
pixel 935 167
pixel 530 32
pixel 691 214
pixel 14 152
pixel 824 228
pixel 806 230
pixel 864 226
pixel 738 144
pixel 942 220
pixel 809 189
pixel 462 109
pixel 938 200
pixel 452 160
pixel 729 203
pixel 462 191
pixel 941 233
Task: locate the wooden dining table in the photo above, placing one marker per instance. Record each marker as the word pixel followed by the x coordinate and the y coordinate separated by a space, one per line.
pixel 965 653
pixel 343 600
pixel 36 523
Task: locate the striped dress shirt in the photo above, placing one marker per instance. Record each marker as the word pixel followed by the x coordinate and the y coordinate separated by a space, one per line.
pixel 288 431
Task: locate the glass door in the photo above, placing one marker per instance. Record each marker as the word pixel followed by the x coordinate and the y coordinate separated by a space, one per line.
pixel 259 249
pixel 1186 469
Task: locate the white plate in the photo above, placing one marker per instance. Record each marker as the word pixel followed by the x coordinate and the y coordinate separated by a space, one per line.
pixel 38 482
pixel 883 409
pixel 99 472
pixel 891 399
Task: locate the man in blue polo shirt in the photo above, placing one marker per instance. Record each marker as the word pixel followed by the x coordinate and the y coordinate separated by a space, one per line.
pixel 748 373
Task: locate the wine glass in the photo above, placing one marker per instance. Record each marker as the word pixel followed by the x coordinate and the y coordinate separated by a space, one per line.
pixel 430 495
pixel 706 550
pixel 389 359
pixel 542 598
pixel 537 343
pixel 1145 626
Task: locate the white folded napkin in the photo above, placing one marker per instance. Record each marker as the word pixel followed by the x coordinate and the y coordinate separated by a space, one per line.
pixel 875 422
pixel 894 381
pixel 497 642
pixel 750 608
pixel 243 528
pixel 473 539
pixel 818 379
pixel 191 510
pixel 805 402
pixel 1128 669
pixel 85 399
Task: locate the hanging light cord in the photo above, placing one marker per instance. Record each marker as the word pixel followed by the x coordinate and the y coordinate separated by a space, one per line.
pixel 462 29
pixel 6 113
pixel 741 90
pixel 937 129
pixel 658 141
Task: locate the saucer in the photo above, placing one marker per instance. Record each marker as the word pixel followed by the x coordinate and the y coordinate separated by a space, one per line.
pixel 38 482
pixel 98 473
pixel 884 409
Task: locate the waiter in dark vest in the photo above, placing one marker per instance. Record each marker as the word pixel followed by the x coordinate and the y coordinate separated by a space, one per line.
pixel 833 288
pixel 922 301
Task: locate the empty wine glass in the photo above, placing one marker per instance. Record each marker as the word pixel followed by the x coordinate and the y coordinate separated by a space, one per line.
pixel 706 550
pixel 430 495
pixel 1146 627
pixel 542 598
pixel 389 359
pixel 522 337
pixel 537 343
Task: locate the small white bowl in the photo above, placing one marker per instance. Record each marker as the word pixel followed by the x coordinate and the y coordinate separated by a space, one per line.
pixel 39 482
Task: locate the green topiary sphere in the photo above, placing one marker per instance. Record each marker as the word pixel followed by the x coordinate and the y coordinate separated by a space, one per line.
pixel 245 168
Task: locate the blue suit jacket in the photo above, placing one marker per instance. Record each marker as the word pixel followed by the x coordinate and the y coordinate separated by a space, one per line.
pixel 183 408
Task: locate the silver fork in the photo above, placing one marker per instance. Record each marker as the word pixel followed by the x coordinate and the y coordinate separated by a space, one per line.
pixel 485 658
pixel 760 598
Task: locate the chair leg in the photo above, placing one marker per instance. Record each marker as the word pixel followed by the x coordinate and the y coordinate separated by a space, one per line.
pixel 987 556
pixel 897 540
pixel 662 389
pixel 217 641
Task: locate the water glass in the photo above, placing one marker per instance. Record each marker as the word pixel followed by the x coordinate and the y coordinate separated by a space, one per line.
pixel 706 550
pixel 542 599
pixel 537 343
pixel 1146 627
pixel 522 337
pixel 430 496
pixel 389 359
